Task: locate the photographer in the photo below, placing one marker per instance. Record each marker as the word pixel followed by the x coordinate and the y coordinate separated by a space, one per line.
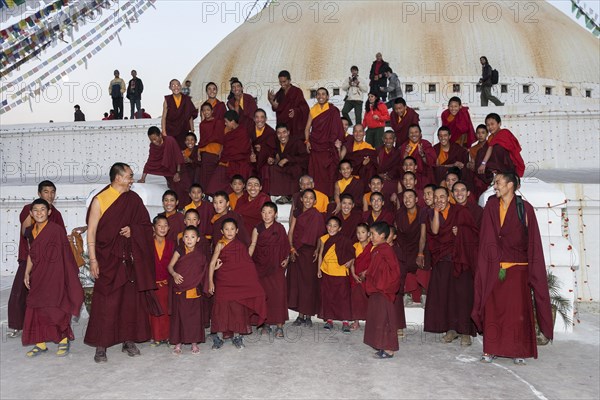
pixel 355 88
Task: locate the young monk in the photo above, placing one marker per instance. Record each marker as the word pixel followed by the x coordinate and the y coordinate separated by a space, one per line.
pixel 204 208
pixel 362 258
pixel 188 269
pixel 170 202
pixel 462 195
pixel 398 303
pixel 290 106
pixel 378 212
pixel 210 146
pixel 421 151
pixel 18 292
pixel 262 138
pixel 503 150
pixel 163 252
pixel 306 227
pixel 237 188
pixel 480 181
pixel 249 206
pixel 349 184
pixel 349 216
pixel 270 252
pixel 389 162
pixel 409 181
pixel 336 255
pixel 51 275
pixel 242 103
pixel 307 182
pixel 457 118
pixel 190 170
pixel 239 298
pixel 190 218
pixel 382 282
pixel 178 114
pixel 323 129
pixel 216 105
pixel 449 154
pixel 401 117
pixel 376 185
pixel 362 156
pixel 223 212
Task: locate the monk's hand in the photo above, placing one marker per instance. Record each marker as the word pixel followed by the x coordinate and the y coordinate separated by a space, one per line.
pixel 362 276
pixel 257 148
pixel 459 164
pixel 394 198
pixel 125 231
pixel 471 165
pixel 291 114
pixel 271 96
pixel 94 269
pixel 253 157
pixel 178 279
pixel 315 256
pixel 308 147
pixel 338 144
pixel 218 264
pixel 481 169
pixel 293 254
pixel 455 230
pixel 285 262
pixel 421 152
pixel 26 281
pixel 337 209
pixel 199 156
pixel 366 160
pixel 270 161
pixel 176 177
pixel 356 278
pixel 164 133
pixel 420 261
pixel 211 287
pixel 142 180
pixel 319 274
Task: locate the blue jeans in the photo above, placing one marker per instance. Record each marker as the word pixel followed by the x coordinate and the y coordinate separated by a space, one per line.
pixel 135 103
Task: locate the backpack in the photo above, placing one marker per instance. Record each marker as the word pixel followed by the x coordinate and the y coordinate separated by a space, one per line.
pixel 521 211
pixel 495 77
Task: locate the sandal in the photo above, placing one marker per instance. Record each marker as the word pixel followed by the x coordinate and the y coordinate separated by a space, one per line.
pixel 195 349
pixel 382 354
pixel 355 326
pixel 36 351
pixel 63 349
pixel 487 358
pixel 519 361
pixel 279 333
pixel 177 350
pixel 450 336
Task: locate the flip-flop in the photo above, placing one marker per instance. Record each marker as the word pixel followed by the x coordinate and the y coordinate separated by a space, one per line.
pixel 36 351
pixel 487 358
pixel 177 350
pixel 195 349
pixel 279 333
pixel 63 349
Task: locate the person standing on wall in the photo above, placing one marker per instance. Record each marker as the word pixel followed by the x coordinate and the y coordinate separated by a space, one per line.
pixel 134 94
pixel 116 88
pixel 486 84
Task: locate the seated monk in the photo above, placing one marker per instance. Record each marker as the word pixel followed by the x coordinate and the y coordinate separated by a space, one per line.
pixel 503 150
pixel 349 184
pixel 285 166
pixel 250 204
pixel 422 152
pixel 458 120
pixel 361 155
pixel 216 105
pixel 242 103
pixel 212 136
pixel 377 212
pixel 401 117
pixel 178 114
pixel 449 155
pixel 263 139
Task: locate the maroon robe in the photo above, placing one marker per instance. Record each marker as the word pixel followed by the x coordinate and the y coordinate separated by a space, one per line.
pixel 292 100
pixel 453 258
pixel 250 211
pixel 476 212
pixel 508 142
pixel 243 235
pixel 176 225
pixel 283 181
pixel 504 310
pixel 349 223
pixel 455 153
pixel 355 189
pixel 424 164
pixel 237 282
pixel 235 160
pixel 18 292
pixel 335 290
pixel 187 317
pixel 460 125
pixel 382 283
pixel 267 142
pixel 356 158
pixel 211 131
pixel 163 161
pixel 272 248
pixel 124 293
pixel 302 281
pixel 358 294
pixel 160 325
pixel 386 216
pixel 219 109
pixel 247 112
pixel 324 158
pixel 55 290
pixel 389 168
pixel 206 212
pixel 190 170
pixel 177 120
pixel 400 125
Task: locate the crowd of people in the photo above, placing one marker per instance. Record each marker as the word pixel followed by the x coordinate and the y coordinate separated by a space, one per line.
pixel 379 218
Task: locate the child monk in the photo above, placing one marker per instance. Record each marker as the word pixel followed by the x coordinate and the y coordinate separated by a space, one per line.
pixel 378 213
pixel 51 275
pixel 223 212
pixel 382 282
pixel 336 255
pixel 204 208
pixel 163 252
pixel 349 215
pixel 212 136
pixel 190 170
pixel 270 252
pixel 362 259
pixel 237 185
pixel 349 184
pixel 239 298
pixel 170 202
pixel 188 269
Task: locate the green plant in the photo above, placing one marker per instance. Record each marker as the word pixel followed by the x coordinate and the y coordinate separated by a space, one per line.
pixel 559 303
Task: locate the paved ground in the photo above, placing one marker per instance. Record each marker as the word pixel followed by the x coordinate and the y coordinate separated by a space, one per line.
pixel 309 363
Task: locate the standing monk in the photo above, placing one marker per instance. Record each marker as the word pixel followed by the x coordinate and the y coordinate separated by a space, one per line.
pixel 290 106
pixel 119 240
pixel 217 105
pixel 242 103
pixel 178 114
pixel 510 265
pixel 503 150
pixel 323 129
pixel 210 144
pixel 401 117
pixel 263 140
pixel 458 120
pixel 449 155
pixel 362 156
pixel 249 206
pixel 422 152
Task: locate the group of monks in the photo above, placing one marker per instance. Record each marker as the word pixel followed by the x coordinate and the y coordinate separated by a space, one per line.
pixel 370 230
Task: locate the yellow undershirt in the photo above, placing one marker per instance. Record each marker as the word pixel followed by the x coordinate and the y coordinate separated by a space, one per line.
pixel 317 110
pixel 259 132
pixel 362 146
pixel 330 265
pixel 35 231
pixel 177 99
pixel 107 198
pixel 322 202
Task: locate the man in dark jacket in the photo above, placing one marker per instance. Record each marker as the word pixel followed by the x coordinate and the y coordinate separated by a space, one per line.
pixel 377 77
pixel 486 84
pixel 79 115
pixel 134 93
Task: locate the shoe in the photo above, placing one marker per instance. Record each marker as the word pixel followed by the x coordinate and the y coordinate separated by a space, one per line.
pixel 154 343
pixel 450 336
pixel 308 322
pixel 465 340
pixel 383 355
pixel 279 333
pixel 346 327
pixel 36 351
pixel 131 349
pixel 63 349
pixel 487 358
pixel 217 342
pixel 283 200
pixel 519 361
pixel 400 333
pixel 238 342
pixel 100 356
pixel 328 325
pixel 299 321
pixel 15 333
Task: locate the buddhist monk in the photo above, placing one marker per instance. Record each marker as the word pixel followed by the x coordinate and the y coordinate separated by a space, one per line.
pixel 204 208
pixel 235 157
pixel 290 106
pixel 18 292
pixel 286 165
pixel 212 137
pixel 222 212
pixel 190 170
pixel 449 154
pixel 262 138
pixel 237 188
pixel 452 240
pixel 242 103
pixel 249 206
pixel 480 181
pixel 178 114
pixel 124 292
pixel 163 252
pixel 302 282
pixel 462 194
pixel 362 259
pixel 410 165
pixel 422 152
pixel 349 184
pixel 401 117
pixel 323 129
pixel 170 202
pixel 376 185
pixel 51 276
pixel 510 267
pixel 361 155
pixel 270 250
pixel 382 282
pixel 424 255
pixel 217 106
pixel 349 215
pixel 307 182
pixel 457 118
pixel 503 150
pixel 378 212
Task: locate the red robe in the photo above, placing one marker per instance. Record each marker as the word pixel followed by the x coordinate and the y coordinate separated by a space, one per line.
pixel 55 290
pixel 455 153
pixel 247 112
pixel 18 292
pixel 176 226
pixel 206 212
pixel 324 158
pixel 356 158
pixel 292 100
pixel 302 281
pixel 476 212
pixel 503 310
pixel 250 211
pixel 358 295
pixel 187 319
pixel 211 131
pixel 355 189
pixel 267 142
pixel 389 168
pixel 453 260
pixel 272 248
pixel 505 139
pixel 163 161
pixel 243 235
pixel 190 171
pixel 335 290
pixel 385 216
pixel 177 121
pixel 283 181
pixel 459 125
pixel 382 283
pixel 235 159
pixel 400 125
pixel 160 325
pixel 219 109
pixel 237 282
pixel 124 293
pixel 424 164
pixel 349 223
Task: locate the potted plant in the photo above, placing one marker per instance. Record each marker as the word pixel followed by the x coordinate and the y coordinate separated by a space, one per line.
pixel 559 304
